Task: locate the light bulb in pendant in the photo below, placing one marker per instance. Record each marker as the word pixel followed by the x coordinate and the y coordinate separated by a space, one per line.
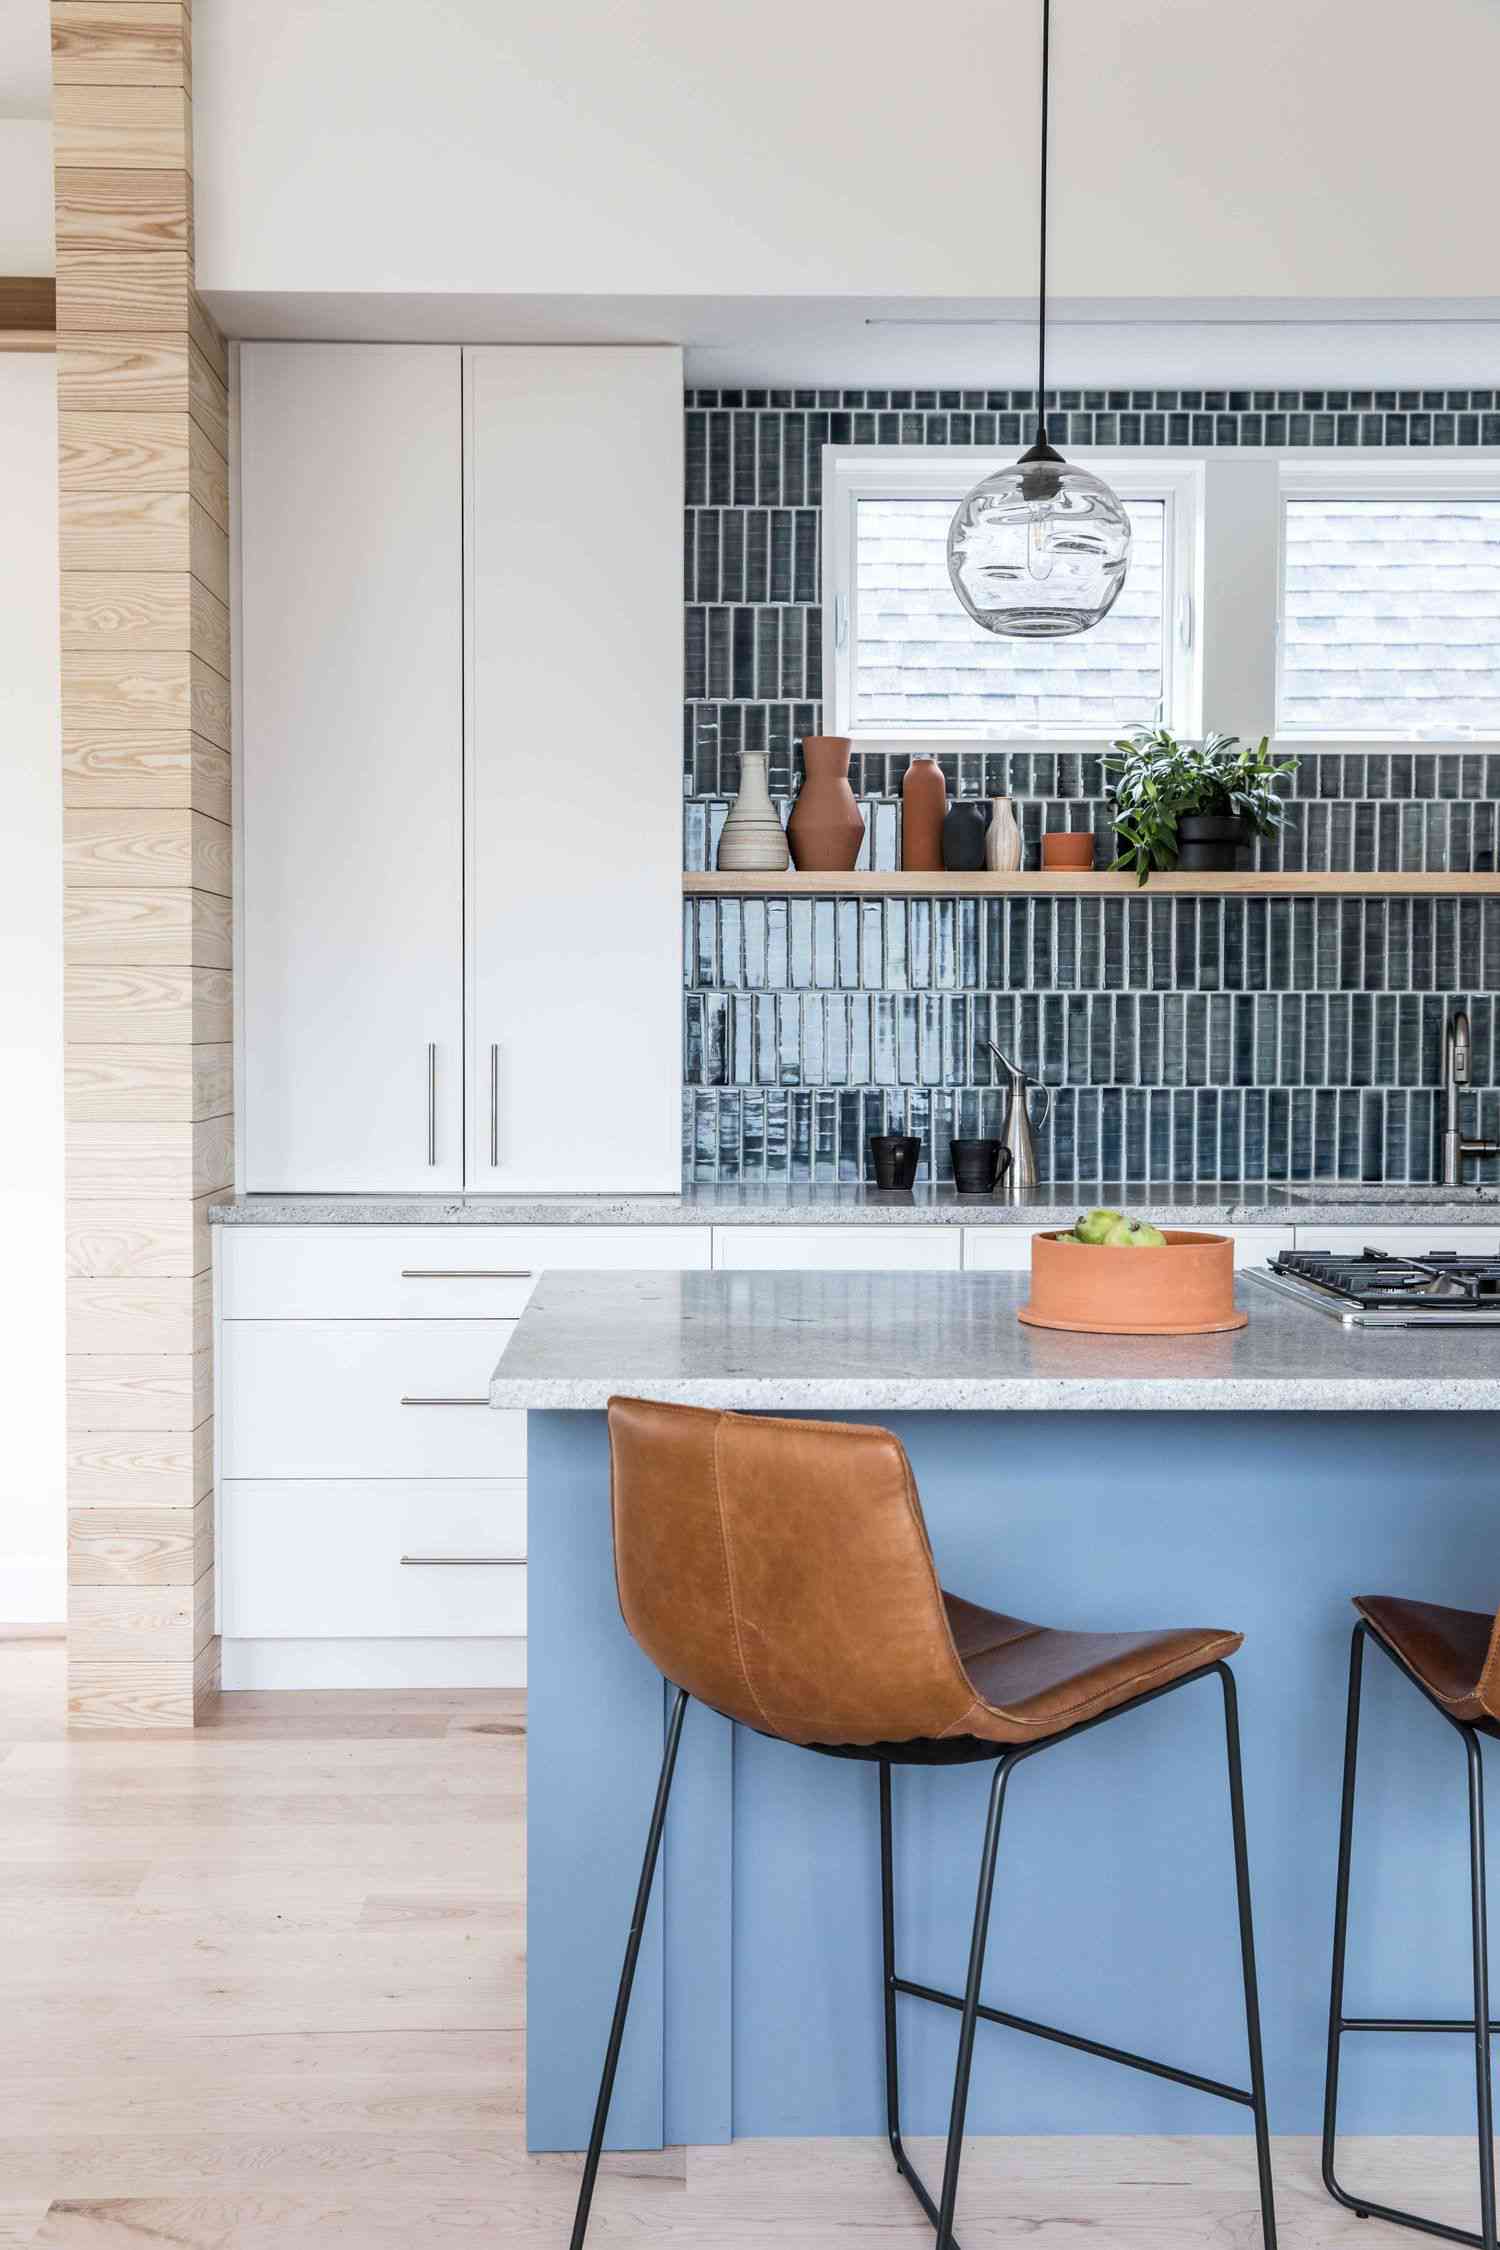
pixel 1040 549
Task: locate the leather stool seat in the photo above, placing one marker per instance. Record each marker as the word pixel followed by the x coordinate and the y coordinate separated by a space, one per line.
pixel 1448 1649
pixel 1034 1680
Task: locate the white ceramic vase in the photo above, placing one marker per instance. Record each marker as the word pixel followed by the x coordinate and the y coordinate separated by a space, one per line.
pixel 1002 842
pixel 752 839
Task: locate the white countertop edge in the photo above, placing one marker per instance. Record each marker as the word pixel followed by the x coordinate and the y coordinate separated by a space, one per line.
pixel 975 1395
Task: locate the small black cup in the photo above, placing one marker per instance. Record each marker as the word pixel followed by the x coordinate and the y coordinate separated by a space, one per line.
pixel 895 1157
pixel 977 1165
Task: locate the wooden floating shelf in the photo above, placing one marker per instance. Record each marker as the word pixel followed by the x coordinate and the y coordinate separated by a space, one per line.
pixel 1070 883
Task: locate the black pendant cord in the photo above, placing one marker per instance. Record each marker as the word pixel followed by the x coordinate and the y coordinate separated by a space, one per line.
pixel 1041 310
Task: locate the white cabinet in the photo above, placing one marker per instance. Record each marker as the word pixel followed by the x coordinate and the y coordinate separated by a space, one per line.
pixel 573 480
pixel 1008 1249
pixel 1405 1241
pixel 350 662
pixel 856 1249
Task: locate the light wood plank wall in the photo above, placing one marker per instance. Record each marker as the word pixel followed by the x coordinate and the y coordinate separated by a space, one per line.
pixel 143 422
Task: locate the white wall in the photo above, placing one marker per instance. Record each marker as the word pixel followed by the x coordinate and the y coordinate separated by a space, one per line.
pixel 32 1519
pixel 1303 150
pixel 25 195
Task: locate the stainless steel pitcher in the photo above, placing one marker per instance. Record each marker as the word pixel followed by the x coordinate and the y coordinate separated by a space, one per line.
pixel 1016 1134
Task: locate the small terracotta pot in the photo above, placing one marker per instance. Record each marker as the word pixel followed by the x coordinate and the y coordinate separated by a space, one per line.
pixel 1073 847
pixel 827 827
pixel 1187 1289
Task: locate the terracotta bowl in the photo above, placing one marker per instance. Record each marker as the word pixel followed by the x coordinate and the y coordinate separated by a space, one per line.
pixel 1186 1289
pixel 1072 849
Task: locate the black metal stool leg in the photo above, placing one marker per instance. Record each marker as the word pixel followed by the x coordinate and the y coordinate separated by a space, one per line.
pixel 1484 2097
pixel 1341 1926
pixel 1247 1959
pixel 970 2015
pixel 627 1973
pixel 1480 2026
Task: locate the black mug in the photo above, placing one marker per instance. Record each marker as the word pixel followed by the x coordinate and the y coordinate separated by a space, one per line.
pixel 895 1157
pixel 977 1165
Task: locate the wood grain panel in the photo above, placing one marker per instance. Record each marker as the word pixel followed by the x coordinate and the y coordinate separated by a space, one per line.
pixel 141 1316
pixel 28 304
pixel 151 929
pixel 147 1391
pixel 106 374
pixel 145 768
pixel 208 476
pixel 122 128
pixel 140 1546
pixel 111 43
pixel 125 452
pixel 113 609
pixel 123 289
pixel 119 692
pixel 204 333
pixel 131 1236
pixel 108 211
pixel 146 531
pixel 160 1471
pixel 110 1006
pixel 208 400
pixel 176 1084
pixel 121 1157
pixel 208 550
pixel 153 848
pixel 147 1624
pixel 129 1696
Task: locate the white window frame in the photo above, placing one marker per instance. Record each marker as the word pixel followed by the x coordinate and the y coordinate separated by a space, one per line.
pixel 1473 475
pixel 855 473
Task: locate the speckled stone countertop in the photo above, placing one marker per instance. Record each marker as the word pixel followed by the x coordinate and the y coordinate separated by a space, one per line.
pixel 1223 1203
pixel 951 1342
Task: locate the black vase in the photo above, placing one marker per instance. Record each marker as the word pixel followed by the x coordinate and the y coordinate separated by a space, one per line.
pixel 964 827
pixel 1208 843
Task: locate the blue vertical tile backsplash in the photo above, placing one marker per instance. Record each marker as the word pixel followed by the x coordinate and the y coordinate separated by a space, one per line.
pixel 1184 1039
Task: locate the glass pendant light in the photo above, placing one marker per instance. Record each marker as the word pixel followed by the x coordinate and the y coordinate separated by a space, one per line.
pixel 1039 550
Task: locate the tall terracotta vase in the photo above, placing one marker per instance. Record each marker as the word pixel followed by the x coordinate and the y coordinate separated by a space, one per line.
pixel 827 827
pixel 924 804
pixel 752 839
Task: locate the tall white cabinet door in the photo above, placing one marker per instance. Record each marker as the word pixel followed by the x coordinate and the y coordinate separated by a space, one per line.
pixel 573 468
pixel 351 816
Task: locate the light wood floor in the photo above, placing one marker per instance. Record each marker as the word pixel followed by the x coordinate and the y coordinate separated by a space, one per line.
pixel 262 1986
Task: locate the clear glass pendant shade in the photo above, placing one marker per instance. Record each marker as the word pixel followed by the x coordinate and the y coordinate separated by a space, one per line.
pixel 1039 550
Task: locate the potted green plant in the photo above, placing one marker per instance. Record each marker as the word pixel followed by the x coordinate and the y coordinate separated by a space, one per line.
pixel 1192 804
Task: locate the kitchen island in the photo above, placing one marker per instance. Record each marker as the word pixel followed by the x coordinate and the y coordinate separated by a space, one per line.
pixel 1253 1480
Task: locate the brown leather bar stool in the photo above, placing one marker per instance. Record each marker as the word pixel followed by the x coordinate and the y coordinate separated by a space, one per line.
pixel 1452 1657
pixel 780 1572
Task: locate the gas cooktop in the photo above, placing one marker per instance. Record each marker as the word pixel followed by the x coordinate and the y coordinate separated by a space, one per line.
pixel 1380 1289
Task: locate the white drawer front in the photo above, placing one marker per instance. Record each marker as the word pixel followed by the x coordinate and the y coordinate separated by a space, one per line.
pixel 1480 1242
pixel 426 1273
pixel 322 1398
pixel 323 1560
pixel 1254 1245
pixel 854 1249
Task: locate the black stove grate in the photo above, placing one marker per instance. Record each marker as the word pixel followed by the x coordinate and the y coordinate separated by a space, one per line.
pixel 1377 1279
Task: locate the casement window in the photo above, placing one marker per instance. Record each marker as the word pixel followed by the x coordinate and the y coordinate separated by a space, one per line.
pixel 1390 604
pixel 1303 596
pixel 907 661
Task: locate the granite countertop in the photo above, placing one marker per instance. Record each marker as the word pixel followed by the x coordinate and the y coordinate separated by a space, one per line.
pixel 950 1341
pixel 1221 1203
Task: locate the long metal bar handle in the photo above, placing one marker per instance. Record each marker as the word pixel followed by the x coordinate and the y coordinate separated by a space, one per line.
pixel 445 1402
pixel 509 1562
pixel 466 1273
pixel 432 1101
pixel 494 1107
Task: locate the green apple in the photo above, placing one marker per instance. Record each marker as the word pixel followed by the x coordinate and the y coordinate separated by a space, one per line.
pixel 1131 1234
pixel 1096 1224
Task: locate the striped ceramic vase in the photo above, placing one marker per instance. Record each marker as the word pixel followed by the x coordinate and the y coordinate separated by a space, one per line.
pixel 752 838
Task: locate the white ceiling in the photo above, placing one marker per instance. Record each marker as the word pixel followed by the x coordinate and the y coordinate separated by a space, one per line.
pixel 969 343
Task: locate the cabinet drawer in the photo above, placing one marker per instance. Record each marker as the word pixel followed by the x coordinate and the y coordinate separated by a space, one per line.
pixel 1479 1242
pixel 838 1249
pixel 323 1398
pixel 425 1273
pixel 334 1560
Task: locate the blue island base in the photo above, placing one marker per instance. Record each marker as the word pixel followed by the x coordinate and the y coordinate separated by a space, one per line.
pixel 758 2008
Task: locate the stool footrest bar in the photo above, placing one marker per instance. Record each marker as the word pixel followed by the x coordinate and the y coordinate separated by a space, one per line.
pixel 1192 2078
pixel 1413 2023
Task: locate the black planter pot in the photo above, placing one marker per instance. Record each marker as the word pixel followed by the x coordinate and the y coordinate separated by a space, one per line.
pixel 1207 843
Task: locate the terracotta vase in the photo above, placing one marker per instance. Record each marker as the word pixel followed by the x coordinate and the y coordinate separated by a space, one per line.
pixel 924 805
pixel 827 827
pixel 1002 843
pixel 1071 847
pixel 753 839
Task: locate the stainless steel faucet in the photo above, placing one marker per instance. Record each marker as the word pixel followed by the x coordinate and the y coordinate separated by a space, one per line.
pixel 1457 1064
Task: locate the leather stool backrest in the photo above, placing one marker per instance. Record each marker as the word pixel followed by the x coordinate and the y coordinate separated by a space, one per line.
pixel 780 1572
